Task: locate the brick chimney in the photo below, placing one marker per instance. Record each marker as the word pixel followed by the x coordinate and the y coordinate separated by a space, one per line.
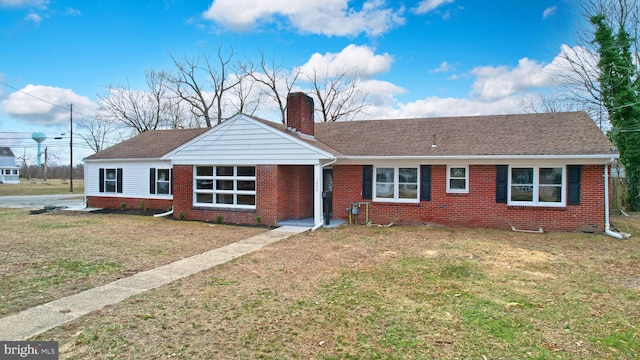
pixel 300 113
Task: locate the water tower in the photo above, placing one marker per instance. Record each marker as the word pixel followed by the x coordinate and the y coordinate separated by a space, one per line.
pixel 39 138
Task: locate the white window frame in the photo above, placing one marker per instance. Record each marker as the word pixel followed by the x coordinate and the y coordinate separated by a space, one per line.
pixel 107 180
pixel 466 179
pixel 536 186
pixel 396 185
pixel 235 191
pixel 166 181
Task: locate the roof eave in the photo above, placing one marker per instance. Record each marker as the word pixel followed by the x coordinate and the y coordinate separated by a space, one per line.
pixel 478 159
pixel 124 160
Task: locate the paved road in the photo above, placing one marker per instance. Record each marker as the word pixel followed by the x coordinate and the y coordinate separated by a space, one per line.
pixel 40 201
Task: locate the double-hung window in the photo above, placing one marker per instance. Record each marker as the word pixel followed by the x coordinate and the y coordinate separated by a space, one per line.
pixel 225 186
pixel 396 184
pixel 110 180
pixel 537 186
pixel 457 179
pixel 160 181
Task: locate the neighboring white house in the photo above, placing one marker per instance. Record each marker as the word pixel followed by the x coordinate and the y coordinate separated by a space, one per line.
pixel 9 172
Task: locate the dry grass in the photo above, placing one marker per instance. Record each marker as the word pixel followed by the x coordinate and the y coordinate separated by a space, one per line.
pixel 361 292
pixel 39 187
pixel 52 255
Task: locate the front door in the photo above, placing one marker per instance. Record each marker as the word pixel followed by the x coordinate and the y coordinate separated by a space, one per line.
pixel 327 193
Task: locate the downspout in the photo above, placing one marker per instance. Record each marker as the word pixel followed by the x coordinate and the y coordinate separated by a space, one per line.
pixel 317 226
pixel 84 192
pixel 607 226
pixel 165 213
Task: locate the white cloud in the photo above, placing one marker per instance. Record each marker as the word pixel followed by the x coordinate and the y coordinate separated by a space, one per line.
pixel 35 104
pixel 426 6
pixel 326 17
pixel 33 17
pixel 24 3
pixel 72 12
pixel 549 11
pixel 360 61
pixel 444 67
pixel 438 107
pixel 494 83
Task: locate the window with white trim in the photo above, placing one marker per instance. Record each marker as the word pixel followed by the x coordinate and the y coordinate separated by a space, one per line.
pixel 537 185
pixel 457 179
pixel 163 181
pixel 225 186
pixel 110 180
pixel 396 184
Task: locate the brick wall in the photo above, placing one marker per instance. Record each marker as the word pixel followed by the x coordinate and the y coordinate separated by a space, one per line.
pixel 478 208
pixel 283 192
pixel 286 192
pixel 300 113
pixel 106 202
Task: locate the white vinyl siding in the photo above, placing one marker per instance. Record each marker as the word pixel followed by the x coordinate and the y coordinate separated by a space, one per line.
pixel 243 141
pixel 135 178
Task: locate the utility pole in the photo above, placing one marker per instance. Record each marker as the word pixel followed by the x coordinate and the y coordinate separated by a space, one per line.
pixel 71 148
pixel 46 163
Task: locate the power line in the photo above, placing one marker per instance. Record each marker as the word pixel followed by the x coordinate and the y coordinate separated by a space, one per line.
pixel 65 107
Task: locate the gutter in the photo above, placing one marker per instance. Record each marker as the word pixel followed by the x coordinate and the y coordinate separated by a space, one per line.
pixel 607 226
pixel 482 157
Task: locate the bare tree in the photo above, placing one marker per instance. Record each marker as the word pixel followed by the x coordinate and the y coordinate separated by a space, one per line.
pixel 338 94
pixel 278 82
pixel 548 103
pixel 245 99
pixel 221 78
pixel 189 88
pixel 580 73
pixel 96 133
pixel 24 159
pixel 140 110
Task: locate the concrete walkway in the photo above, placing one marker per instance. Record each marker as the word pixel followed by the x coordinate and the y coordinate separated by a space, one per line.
pixel 31 322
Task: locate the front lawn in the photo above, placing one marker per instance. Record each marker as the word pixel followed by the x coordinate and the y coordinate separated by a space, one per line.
pixel 371 293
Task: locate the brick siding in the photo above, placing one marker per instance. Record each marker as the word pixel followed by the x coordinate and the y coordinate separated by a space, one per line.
pixel 282 193
pixel 478 208
pixel 108 202
pixel 286 192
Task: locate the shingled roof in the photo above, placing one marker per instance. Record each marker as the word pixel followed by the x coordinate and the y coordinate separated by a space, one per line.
pixel 568 133
pixel 148 145
pixel 553 134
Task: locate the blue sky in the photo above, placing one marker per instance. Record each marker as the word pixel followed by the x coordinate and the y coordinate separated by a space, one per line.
pixel 422 57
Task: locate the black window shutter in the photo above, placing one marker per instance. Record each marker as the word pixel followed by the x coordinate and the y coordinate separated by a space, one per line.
pixel 152 181
pixel 119 180
pixel 573 182
pixel 502 183
pixel 101 179
pixel 425 182
pixel 367 181
pixel 171 181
